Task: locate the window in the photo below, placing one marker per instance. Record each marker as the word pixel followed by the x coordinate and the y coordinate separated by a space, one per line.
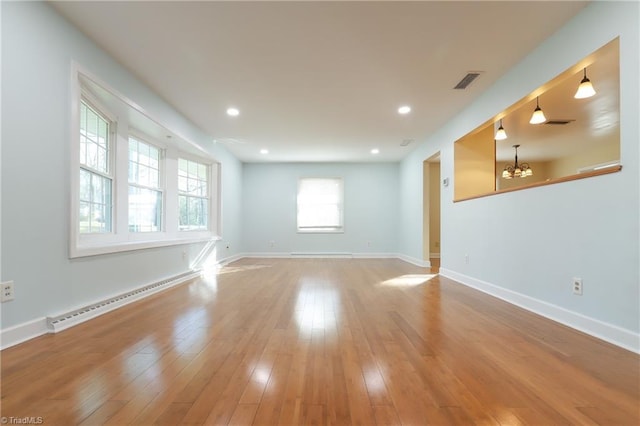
pixel 135 184
pixel 96 180
pixel 193 195
pixel 320 205
pixel 145 193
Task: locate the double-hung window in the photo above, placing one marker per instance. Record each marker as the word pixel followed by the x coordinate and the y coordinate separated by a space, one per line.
pixel 320 205
pixel 135 183
pixel 145 189
pixel 193 195
pixel 96 172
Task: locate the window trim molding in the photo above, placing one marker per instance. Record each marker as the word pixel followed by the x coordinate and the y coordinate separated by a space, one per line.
pixel 81 245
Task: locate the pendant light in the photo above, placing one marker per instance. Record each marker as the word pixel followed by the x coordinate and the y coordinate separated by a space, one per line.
pixel 585 90
pixel 501 134
pixel 538 116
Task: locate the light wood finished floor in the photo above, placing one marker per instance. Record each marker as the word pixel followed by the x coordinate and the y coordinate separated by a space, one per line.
pixel 318 341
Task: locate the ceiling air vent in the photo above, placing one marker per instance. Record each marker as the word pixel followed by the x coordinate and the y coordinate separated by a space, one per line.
pixel 558 122
pixel 406 142
pixel 467 80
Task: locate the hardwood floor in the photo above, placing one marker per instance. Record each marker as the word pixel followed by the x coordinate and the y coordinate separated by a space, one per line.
pixel 318 341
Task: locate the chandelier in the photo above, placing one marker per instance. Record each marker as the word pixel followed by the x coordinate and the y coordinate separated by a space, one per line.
pixel 517 170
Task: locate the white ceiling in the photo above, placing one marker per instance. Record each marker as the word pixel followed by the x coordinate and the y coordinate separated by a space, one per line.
pixel 318 81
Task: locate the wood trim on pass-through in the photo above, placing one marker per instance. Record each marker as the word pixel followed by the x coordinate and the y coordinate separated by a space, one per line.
pixel 593 173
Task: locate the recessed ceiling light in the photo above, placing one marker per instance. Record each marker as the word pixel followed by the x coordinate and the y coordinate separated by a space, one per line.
pixel 233 112
pixel 375 151
pixel 405 109
pixel 264 151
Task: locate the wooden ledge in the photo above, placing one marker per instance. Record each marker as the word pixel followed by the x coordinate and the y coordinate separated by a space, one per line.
pixel 593 173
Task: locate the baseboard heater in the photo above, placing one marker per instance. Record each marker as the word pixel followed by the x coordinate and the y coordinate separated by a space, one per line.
pixel 77 316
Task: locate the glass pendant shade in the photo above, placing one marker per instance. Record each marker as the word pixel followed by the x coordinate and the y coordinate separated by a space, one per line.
pixel 585 90
pixel 501 134
pixel 538 116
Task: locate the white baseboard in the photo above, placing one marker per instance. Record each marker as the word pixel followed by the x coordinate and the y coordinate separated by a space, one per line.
pixel 17 334
pixel 266 255
pixel 375 255
pixel 608 332
pixel 226 260
pixel 319 255
pixel 414 260
pixel 12 336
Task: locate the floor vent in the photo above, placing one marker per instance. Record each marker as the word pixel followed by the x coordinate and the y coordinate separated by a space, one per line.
pixel 75 317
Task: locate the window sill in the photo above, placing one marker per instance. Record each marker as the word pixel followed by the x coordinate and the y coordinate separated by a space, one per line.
pixel 570 178
pixel 321 231
pixel 85 250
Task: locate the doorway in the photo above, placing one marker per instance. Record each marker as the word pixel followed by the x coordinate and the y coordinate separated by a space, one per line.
pixel 431 212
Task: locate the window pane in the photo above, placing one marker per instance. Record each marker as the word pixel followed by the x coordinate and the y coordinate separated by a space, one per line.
pixel 184 212
pixel 83 217
pixel 133 150
pixel 193 200
pixel 102 159
pixel 94 139
pixel 144 164
pixel 194 213
pixel 102 133
pixel 145 210
pixel 182 167
pixel 92 155
pixel 182 184
pixel 154 179
pixel 85 186
pixel 320 204
pixel 154 157
pixel 95 203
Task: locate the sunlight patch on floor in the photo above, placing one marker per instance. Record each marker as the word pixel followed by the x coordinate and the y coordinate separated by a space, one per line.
pixel 408 280
pixel 231 269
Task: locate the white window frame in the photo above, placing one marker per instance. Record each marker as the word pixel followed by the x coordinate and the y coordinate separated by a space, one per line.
pixel 104 112
pixel 209 167
pixel 83 84
pixel 321 229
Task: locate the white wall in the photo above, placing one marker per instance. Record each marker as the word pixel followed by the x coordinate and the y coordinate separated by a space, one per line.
pixel 38 47
pixel 526 246
pixel 370 210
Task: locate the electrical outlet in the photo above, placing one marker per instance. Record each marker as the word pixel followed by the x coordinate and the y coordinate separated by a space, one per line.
pixel 466 259
pixel 272 243
pixel 7 291
pixel 577 286
pixel 368 243
pixel 184 255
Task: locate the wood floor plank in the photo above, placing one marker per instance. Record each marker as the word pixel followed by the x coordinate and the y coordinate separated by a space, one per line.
pixel 321 341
